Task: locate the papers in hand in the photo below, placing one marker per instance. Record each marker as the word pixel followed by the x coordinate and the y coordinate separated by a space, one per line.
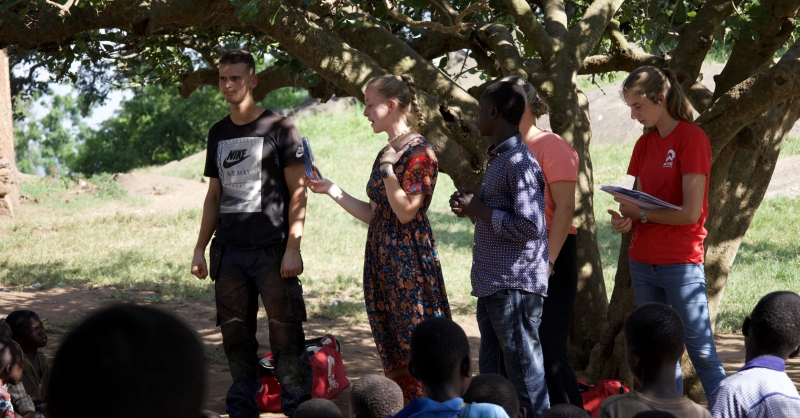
pixel 642 199
pixel 311 166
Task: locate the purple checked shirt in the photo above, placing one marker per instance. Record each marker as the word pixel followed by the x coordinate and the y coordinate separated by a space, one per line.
pixel 511 251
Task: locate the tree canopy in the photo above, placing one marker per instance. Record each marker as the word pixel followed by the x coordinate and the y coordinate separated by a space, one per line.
pixel 334 47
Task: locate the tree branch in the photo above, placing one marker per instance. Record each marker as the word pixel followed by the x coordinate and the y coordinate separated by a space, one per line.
pixel 50 27
pixel 555 18
pixel 695 41
pixel 586 33
pixel 750 98
pixel 533 30
pixel 449 30
pixel 749 57
pixel 499 40
pixel 63 9
pixel 623 56
pixel 432 44
pixel 397 57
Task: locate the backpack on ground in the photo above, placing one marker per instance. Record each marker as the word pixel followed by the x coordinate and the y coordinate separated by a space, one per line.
pixel 327 368
pixel 594 395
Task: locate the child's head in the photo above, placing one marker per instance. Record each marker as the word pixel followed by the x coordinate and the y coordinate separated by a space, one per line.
pixel 502 105
pixel 317 408
pixel 374 396
pixel 133 360
pixel 27 329
pixel 774 326
pixel 440 354
pixel 653 338
pixel 650 91
pixel 10 361
pixel 494 389
pixel 565 410
pixel 5 330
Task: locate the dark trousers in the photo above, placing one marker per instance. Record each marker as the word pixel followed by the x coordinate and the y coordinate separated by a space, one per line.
pixel 562 386
pixel 243 275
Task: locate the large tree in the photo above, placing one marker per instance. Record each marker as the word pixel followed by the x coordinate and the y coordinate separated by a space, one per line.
pixel 333 47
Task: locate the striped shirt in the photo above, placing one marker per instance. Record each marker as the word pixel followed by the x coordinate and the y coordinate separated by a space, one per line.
pixel 511 251
pixel 759 389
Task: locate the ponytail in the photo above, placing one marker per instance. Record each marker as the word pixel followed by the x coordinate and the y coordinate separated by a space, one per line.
pixel 412 88
pixel 677 104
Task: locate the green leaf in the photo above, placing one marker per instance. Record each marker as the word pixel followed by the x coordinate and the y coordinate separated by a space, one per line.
pixel 691 14
pixel 758 14
pixel 9 4
pixel 23 13
pixel 679 12
pixel 274 15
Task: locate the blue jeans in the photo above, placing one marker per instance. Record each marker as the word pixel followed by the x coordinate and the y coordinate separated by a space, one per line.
pixel 683 286
pixel 509 324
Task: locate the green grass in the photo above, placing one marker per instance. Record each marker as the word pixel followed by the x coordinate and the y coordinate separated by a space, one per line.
pixel 791 147
pixel 588 83
pixel 768 260
pixel 98 238
pixel 126 251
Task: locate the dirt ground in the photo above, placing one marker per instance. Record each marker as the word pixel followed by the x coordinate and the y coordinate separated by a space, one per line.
pixel 68 305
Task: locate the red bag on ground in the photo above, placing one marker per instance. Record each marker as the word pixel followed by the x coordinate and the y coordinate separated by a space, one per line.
pixel 594 395
pixel 268 397
pixel 328 368
pixel 328 376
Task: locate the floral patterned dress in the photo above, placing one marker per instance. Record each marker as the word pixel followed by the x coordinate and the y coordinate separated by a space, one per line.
pixel 403 281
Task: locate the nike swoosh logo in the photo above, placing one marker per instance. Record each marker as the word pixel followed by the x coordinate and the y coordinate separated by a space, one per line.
pixel 231 163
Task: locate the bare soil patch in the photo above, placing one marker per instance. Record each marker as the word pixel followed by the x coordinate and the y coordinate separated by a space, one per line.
pixel 162 192
pixel 64 307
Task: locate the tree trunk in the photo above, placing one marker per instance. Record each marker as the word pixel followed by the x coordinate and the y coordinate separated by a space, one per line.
pixel 591 302
pixel 9 189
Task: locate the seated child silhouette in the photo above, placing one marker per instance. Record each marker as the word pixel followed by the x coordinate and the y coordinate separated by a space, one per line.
pixel 495 389
pixel 317 408
pixel 28 332
pixel 440 360
pixel 761 387
pixel 23 405
pixel 128 361
pixel 653 344
pixel 10 373
pixel 374 396
pixel 566 410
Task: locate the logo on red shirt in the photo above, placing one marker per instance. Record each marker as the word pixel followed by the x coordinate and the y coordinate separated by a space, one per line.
pixel 670 157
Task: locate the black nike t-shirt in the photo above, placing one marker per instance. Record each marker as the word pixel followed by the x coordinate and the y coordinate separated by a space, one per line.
pixel 249 160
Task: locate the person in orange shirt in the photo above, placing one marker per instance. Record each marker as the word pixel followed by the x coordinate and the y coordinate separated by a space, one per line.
pixel 559 162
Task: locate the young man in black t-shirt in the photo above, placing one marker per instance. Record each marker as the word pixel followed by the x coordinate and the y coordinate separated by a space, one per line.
pixel 255 207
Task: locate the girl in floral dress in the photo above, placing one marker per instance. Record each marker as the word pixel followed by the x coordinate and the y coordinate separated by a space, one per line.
pixel 403 282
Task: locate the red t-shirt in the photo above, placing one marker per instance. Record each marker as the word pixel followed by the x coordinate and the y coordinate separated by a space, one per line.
pixel 660 164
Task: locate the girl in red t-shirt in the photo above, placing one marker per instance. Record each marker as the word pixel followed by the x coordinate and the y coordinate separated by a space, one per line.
pixel 671 161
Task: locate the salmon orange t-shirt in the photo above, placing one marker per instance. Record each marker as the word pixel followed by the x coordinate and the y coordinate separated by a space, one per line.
pixel 660 164
pixel 559 162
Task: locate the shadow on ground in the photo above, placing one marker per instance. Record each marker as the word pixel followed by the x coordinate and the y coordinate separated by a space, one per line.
pixel 62 308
